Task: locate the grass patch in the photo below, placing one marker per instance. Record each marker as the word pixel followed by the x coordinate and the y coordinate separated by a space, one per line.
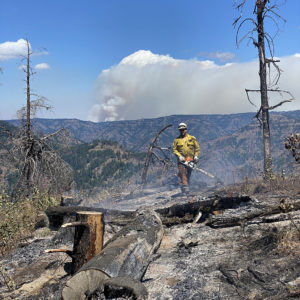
pixel 18 217
pixel 289 242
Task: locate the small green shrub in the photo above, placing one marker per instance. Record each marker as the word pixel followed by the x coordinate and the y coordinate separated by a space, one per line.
pixel 18 217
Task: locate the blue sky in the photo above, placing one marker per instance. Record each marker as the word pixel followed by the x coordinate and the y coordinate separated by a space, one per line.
pixel 84 38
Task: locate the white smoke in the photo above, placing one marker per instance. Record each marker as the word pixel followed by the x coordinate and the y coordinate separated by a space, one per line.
pixel 146 85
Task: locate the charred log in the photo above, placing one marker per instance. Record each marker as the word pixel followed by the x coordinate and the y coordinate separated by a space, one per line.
pixel 187 212
pixel 267 214
pixel 121 287
pixel 58 214
pixel 175 214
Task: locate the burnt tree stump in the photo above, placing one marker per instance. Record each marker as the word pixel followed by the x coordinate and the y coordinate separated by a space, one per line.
pixel 126 254
pixel 88 238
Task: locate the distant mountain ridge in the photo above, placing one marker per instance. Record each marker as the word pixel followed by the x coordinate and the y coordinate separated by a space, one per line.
pixel 136 134
pixel 231 145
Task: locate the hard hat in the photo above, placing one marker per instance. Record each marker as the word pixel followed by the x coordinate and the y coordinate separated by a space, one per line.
pixel 182 126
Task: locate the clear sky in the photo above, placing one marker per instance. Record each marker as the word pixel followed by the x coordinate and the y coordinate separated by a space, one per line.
pixel 128 59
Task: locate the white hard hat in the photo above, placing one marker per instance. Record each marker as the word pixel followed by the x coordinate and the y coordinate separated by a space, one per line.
pixel 182 126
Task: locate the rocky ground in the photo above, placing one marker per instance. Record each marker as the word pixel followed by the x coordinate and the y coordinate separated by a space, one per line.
pixel 225 255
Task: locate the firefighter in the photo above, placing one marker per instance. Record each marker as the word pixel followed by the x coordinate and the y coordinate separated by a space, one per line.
pixel 186 148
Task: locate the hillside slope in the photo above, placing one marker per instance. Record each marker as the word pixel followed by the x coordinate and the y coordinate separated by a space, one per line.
pixel 137 134
pixel 231 145
pixel 102 164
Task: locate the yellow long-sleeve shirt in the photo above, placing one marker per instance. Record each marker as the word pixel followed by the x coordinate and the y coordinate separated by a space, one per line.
pixel 186 146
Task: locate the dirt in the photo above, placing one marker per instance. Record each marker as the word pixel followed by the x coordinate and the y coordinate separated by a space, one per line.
pixel 258 259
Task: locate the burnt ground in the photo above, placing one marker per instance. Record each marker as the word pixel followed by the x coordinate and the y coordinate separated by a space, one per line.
pixel 255 259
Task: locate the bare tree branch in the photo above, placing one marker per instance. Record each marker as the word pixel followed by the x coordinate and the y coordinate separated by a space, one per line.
pixel 238 41
pixel 247 93
pixel 52 134
pixel 257 116
pixel 152 153
pixel 240 7
pixel 282 102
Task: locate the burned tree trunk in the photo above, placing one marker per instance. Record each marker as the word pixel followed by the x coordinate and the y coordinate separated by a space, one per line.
pixel 127 254
pixel 28 93
pixel 264 89
pixel 88 238
pixel 263 9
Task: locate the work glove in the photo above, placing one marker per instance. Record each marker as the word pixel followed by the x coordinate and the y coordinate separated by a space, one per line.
pixel 181 159
pixel 196 159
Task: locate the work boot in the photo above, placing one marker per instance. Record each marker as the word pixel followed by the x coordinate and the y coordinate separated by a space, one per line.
pixel 185 190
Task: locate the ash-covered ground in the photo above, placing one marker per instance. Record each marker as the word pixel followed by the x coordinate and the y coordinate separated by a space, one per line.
pixel 255 259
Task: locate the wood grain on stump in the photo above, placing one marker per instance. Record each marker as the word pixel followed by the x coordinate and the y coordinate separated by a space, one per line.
pixel 88 239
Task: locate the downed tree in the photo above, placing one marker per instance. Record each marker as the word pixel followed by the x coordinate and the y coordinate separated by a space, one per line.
pixel 57 214
pixel 187 212
pixel 175 214
pixel 127 254
pixel 261 213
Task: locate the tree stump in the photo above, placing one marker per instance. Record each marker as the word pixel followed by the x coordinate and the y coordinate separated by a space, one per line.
pixel 127 254
pixel 88 238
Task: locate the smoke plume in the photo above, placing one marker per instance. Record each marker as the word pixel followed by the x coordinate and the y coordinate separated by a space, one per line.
pixel 146 85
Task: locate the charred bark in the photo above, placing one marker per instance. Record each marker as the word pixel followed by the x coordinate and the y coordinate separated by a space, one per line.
pixel 264 89
pixel 127 254
pixel 60 214
pixel 266 214
pixel 175 214
pixel 187 212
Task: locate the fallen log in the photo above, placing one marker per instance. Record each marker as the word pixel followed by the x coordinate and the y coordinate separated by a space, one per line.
pixel 57 214
pixel 175 214
pixel 262 214
pixel 187 212
pixel 121 287
pixel 127 254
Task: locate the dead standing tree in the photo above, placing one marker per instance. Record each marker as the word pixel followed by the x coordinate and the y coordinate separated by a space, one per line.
pixel 151 153
pixel 37 161
pixel 263 9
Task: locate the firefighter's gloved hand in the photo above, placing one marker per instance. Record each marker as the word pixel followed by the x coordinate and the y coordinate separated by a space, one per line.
pixel 196 159
pixel 181 159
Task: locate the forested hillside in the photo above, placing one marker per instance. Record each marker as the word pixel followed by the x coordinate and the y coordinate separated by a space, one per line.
pixel 102 164
pixel 231 145
pixel 7 168
pixel 96 164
